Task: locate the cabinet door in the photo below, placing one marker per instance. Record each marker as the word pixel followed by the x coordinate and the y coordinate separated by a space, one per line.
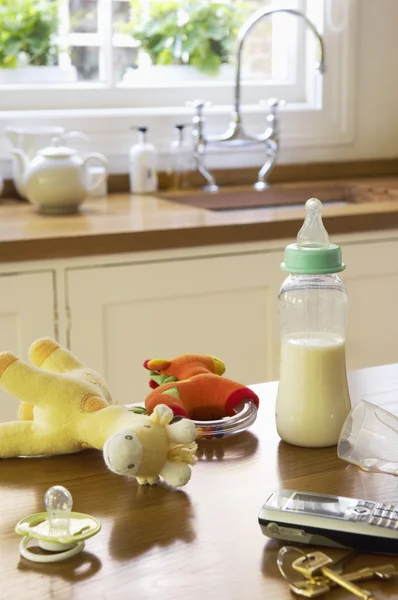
pixel 26 314
pixel 224 306
pixel 372 285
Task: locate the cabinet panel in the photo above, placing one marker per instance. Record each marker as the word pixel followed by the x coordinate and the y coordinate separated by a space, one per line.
pixel 26 313
pixel 372 285
pixel 372 337
pixel 224 306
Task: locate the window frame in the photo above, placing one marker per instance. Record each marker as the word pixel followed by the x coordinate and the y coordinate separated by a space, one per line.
pixel 85 94
pixel 324 116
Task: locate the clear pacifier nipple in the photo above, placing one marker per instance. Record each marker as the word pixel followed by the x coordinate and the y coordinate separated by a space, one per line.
pixel 58 501
pixel 313 233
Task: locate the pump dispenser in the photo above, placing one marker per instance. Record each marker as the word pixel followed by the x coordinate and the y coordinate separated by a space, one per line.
pixel 181 158
pixel 142 165
pixel 313 399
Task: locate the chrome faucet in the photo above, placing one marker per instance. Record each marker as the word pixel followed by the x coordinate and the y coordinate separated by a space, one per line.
pixel 235 134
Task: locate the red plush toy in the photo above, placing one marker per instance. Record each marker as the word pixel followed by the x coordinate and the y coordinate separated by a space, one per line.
pixel 192 386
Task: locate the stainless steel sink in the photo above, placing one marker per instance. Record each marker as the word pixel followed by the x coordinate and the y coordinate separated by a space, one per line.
pixel 276 196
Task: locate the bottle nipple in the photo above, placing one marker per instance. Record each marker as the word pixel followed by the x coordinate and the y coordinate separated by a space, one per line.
pixel 58 501
pixel 313 233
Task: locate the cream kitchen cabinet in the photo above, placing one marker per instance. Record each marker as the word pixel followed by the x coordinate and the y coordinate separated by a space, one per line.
pixel 27 312
pixel 371 278
pixel 121 315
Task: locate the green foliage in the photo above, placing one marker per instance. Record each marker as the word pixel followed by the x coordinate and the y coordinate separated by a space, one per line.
pixel 195 32
pixel 27 29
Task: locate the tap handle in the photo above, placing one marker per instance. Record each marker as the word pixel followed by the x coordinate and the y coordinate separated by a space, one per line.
pixel 199 106
pixel 273 104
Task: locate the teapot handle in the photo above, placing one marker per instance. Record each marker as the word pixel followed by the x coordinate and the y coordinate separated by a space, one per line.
pixel 101 178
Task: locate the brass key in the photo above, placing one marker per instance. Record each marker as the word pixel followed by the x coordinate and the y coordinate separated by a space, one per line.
pixel 310 564
pixel 317 585
pixel 316 563
pixel 380 572
pixel 310 588
pixel 320 584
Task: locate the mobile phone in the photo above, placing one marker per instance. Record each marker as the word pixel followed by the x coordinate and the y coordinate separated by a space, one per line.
pixel 335 521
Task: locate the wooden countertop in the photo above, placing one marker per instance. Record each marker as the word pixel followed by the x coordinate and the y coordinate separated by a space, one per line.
pixel 200 543
pixel 124 223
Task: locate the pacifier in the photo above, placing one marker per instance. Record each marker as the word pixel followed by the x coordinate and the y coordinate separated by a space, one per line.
pixel 58 531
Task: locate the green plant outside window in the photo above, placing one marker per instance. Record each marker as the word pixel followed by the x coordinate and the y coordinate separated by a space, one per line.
pixel 27 31
pixel 201 33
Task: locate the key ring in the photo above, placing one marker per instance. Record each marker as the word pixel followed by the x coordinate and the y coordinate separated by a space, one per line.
pixel 280 559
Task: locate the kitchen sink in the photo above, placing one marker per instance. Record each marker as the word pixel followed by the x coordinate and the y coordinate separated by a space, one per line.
pixel 275 196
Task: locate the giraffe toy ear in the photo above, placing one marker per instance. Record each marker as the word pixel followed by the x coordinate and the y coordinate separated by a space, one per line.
pixel 162 415
pixel 182 432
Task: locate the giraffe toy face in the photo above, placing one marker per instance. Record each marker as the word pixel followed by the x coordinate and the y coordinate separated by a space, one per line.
pixel 153 448
pixel 123 453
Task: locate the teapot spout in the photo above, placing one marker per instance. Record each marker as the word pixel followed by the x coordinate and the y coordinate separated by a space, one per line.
pixel 20 165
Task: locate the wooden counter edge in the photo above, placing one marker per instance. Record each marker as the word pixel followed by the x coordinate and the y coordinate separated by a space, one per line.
pixel 188 237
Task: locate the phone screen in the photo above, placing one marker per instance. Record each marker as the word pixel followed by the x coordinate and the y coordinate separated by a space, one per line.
pixel 328 506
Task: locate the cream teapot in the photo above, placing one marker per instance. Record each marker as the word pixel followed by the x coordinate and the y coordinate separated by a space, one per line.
pixel 31 139
pixel 55 180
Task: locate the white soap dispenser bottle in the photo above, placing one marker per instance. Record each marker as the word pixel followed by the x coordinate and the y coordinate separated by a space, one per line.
pixel 142 165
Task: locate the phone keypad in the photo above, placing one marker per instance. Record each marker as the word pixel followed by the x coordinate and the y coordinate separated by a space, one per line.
pixel 382 515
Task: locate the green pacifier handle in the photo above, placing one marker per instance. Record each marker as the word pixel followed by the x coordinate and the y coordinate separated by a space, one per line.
pixel 48 558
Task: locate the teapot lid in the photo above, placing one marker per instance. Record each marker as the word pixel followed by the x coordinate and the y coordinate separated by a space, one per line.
pixel 57 150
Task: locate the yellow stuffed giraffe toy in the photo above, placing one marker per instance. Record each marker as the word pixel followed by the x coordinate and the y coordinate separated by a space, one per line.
pixel 67 407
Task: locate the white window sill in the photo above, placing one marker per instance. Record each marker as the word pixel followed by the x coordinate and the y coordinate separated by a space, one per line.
pixel 110 130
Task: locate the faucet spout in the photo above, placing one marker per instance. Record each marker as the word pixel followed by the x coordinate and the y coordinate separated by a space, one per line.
pixel 235 135
pixel 244 32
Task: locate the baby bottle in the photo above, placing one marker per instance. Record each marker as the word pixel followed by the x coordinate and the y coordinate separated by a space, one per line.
pixel 313 399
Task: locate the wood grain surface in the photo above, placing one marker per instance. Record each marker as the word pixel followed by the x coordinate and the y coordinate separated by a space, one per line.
pixel 200 543
pixel 124 223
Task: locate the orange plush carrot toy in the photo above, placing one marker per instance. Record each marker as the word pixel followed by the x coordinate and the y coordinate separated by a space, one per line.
pixel 192 386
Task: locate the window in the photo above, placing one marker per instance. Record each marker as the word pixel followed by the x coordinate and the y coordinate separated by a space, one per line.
pixel 100 79
pixel 94 48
